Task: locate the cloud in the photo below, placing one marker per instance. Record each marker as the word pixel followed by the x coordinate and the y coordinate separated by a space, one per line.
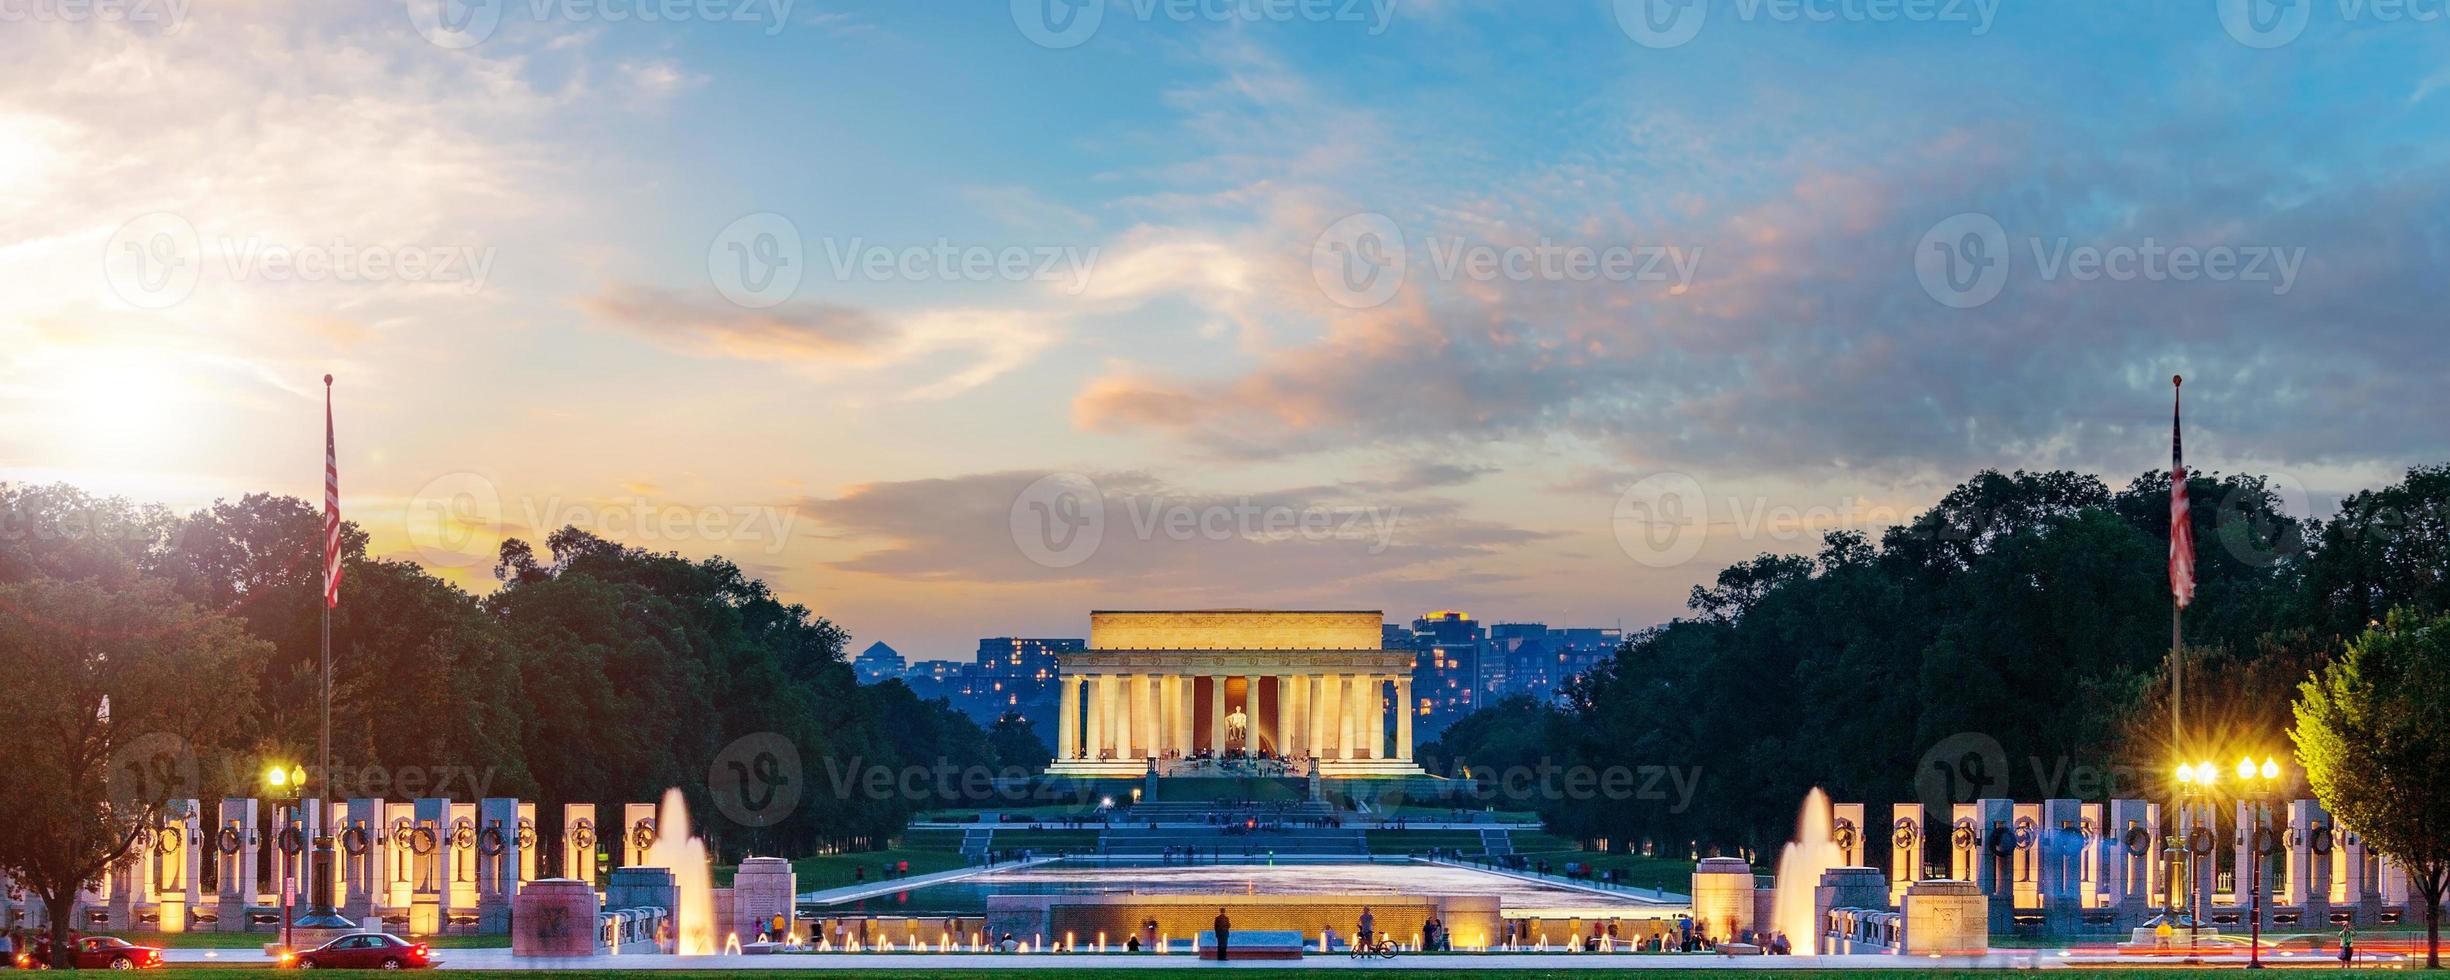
pixel 1805 342
pixel 942 352
pixel 1158 537
pixel 813 332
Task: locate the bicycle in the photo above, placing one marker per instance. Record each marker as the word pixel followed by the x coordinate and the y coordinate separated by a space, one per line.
pixel 1382 948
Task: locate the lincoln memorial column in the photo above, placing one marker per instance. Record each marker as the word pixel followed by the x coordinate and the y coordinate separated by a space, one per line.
pixel 1095 739
pixel 1184 687
pixel 1067 718
pixel 1314 724
pixel 1403 717
pixel 1216 713
pixel 1362 749
pixel 1250 709
pixel 1375 709
pixel 1283 714
pixel 1135 689
pixel 1124 715
pixel 1165 713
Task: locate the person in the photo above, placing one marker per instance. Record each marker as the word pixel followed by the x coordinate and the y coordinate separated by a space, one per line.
pixel 1328 940
pixel 1008 944
pixel 1132 945
pixel 1778 946
pixel 1224 933
pixel 1365 933
pixel 1429 932
pixel 8 949
pixel 2347 945
pixel 2162 933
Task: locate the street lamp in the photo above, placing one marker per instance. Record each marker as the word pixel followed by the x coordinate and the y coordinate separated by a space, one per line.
pixel 2257 782
pixel 289 788
pixel 2194 781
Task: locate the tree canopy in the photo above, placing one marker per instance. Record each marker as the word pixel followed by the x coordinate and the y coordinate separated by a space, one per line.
pixel 2029 609
pixel 594 673
pixel 2373 731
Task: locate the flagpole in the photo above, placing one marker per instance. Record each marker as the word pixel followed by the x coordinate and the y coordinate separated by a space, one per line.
pixel 2177 664
pixel 322 913
pixel 2177 608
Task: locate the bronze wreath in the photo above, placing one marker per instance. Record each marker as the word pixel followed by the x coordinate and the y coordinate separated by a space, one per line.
pixel 291 840
pixel 582 835
pixel 2322 840
pixel 422 841
pixel 642 836
pixel 1906 835
pixel 355 840
pixel 489 841
pixel 169 841
pixel 2201 841
pixel 230 840
pixel 2138 841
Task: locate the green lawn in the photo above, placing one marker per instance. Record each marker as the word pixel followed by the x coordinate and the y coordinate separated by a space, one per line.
pixel 837 870
pixel 1671 874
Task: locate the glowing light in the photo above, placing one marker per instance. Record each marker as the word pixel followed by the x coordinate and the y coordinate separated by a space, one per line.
pixel 277 776
pixel 2245 768
pixel 2271 768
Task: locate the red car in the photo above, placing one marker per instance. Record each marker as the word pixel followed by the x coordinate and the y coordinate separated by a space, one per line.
pixel 96 953
pixel 365 951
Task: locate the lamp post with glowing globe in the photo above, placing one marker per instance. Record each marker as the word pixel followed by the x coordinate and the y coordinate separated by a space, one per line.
pixel 2195 781
pixel 2255 784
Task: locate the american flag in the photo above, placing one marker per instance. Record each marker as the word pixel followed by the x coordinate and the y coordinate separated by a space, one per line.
pixel 331 505
pixel 2181 518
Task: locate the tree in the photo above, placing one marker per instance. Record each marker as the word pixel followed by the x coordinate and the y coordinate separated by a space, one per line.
pixel 111 685
pixel 2373 732
pixel 1015 742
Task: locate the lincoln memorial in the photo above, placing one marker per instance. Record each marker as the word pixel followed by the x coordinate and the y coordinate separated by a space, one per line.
pixel 1229 691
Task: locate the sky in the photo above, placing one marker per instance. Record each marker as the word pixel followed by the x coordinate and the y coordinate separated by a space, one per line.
pixel 962 319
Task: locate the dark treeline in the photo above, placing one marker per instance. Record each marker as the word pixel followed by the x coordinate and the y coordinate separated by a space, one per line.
pixel 594 673
pixel 2031 609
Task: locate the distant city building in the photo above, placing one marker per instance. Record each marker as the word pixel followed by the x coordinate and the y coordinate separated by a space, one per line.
pixel 879 663
pixel 1446 666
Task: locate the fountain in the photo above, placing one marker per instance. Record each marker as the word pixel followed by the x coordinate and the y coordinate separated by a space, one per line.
pixel 1800 866
pixel 685 857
